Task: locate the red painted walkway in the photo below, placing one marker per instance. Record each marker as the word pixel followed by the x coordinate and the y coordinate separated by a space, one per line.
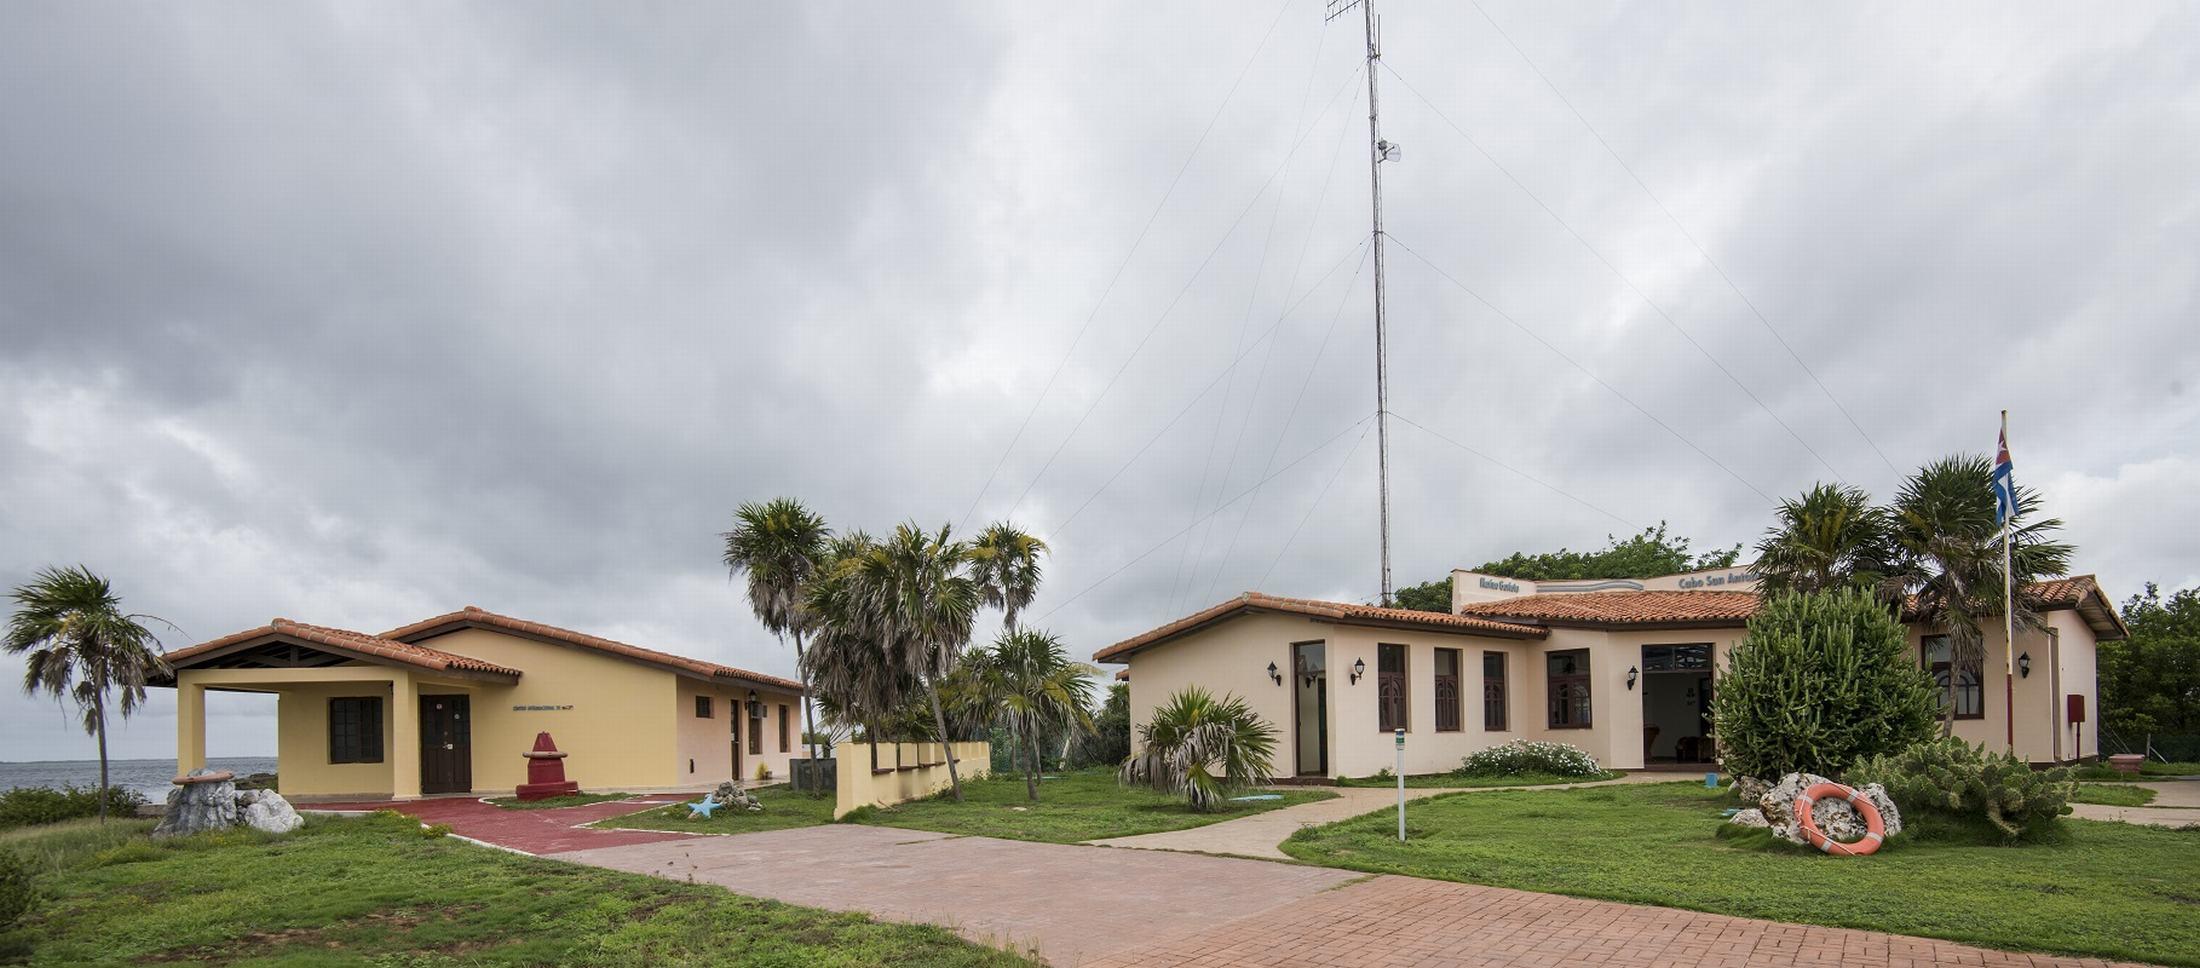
pixel 529 831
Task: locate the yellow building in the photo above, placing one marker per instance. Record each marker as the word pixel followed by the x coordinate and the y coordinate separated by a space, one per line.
pixel 449 705
pixel 1623 669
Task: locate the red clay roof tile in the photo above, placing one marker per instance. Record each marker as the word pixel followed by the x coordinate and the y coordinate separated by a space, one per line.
pixel 472 616
pixel 1342 612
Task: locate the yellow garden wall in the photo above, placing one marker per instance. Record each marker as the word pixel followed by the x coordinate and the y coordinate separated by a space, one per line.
pixel 923 772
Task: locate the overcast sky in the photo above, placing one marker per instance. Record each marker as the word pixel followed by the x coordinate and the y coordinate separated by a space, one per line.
pixel 358 313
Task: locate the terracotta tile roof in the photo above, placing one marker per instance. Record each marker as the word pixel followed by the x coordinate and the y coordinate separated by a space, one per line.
pixel 2063 592
pixel 1341 612
pixel 2081 593
pixel 475 617
pixel 369 646
pixel 1622 608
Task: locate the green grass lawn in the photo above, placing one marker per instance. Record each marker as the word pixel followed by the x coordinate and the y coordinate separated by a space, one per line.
pixel 1078 806
pixel 1456 781
pixel 570 800
pixel 374 892
pixel 2155 768
pixel 2114 795
pixel 783 808
pixel 2101 889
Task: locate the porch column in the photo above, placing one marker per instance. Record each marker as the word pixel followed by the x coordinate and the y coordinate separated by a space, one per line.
pixel 404 751
pixel 190 725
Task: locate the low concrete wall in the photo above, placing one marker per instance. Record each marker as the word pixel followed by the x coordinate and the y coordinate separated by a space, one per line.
pixel 905 771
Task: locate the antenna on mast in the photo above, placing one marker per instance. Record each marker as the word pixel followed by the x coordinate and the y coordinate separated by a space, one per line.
pixel 1378 151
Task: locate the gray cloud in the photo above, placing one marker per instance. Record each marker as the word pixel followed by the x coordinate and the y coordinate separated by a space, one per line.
pixel 357 312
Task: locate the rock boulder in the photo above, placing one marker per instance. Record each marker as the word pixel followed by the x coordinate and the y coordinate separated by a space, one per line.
pixel 204 800
pixel 1835 817
pixel 267 810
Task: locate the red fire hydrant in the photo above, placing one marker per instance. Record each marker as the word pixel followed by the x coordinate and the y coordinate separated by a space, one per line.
pixel 546 772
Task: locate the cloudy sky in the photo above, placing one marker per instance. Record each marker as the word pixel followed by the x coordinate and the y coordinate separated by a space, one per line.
pixel 356 313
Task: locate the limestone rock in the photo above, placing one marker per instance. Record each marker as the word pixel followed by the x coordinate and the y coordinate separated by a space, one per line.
pixel 731 795
pixel 1748 788
pixel 1835 817
pixel 1749 818
pixel 199 807
pixel 267 810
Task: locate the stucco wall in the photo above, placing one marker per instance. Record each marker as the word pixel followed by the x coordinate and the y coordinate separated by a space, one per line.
pixel 923 772
pixel 1233 658
pixel 302 742
pixel 2077 668
pixel 618 733
pixel 703 755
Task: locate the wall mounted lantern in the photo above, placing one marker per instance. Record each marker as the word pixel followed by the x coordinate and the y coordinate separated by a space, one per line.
pixel 1359 668
pixel 756 708
pixel 1632 675
pixel 2024 665
pixel 1273 674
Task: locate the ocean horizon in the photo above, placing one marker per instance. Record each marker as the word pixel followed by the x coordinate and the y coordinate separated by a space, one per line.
pixel 151 777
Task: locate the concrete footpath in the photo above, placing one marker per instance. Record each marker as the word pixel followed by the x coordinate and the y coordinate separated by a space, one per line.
pixel 2176 804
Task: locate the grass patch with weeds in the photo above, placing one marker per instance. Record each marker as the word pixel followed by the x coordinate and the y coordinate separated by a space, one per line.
pixel 570 800
pixel 783 808
pixel 2106 890
pixel 1073 806
pixel 370 891
pixel 1461 781
pixel 2113 795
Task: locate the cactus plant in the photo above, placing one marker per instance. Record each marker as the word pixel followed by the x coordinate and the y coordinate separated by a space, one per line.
pixel 1822 680
pixel 1953 778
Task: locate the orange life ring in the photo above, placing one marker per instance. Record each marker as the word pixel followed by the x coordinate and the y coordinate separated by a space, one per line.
pixel 1876 827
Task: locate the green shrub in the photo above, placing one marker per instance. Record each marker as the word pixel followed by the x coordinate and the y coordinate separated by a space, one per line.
pixel 1203 749
pixel 29 806
pixel 1521 757
pixel 16 894
pixel 1955 779
pixel 1822 681
pixel 435 831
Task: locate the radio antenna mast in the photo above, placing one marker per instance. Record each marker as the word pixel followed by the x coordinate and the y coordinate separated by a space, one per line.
pixel 1378 151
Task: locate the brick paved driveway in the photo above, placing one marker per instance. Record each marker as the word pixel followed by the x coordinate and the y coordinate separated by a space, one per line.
pixel 1103 906
pixel 528 831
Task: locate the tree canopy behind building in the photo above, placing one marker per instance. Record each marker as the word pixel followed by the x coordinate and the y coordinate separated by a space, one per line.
pixel 1649 554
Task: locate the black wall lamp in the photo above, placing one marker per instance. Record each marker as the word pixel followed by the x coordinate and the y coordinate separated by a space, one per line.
pixel 756 709
pixel 2024 665
pixel 1359 668
pixel 1273 674
pixel 1632 675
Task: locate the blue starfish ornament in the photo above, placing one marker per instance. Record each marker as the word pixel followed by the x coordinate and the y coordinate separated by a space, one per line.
pixel 702 808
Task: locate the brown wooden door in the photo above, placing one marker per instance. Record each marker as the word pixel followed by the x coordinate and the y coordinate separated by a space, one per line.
pixel 446 745
pixel 733 735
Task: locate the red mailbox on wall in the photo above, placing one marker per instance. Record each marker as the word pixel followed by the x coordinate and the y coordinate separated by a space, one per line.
pixel 2076 704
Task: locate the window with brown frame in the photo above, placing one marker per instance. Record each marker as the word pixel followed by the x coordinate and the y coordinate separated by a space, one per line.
pixel 1961 683
pixel 756 735
pixel 355 730
pixel 1493 692
pixel 1390 686
pixel 702 707
pixel 1447 690
pixel 1568 672
pixel 785 746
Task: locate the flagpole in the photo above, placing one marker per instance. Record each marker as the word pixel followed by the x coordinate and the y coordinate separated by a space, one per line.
pixel 2009 605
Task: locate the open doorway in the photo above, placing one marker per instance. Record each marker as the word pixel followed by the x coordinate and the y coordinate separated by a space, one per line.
pixel 1676 704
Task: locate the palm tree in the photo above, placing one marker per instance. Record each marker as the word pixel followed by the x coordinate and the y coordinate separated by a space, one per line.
pixel 905 606
pixel 1948 561
pixel 778 544
pixel 1202 748
pixel 1004 561
pixel 1028 684
pixel 81 645
pixel 1829 538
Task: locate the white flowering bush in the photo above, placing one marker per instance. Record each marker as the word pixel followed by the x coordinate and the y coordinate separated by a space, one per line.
pixel 1521 757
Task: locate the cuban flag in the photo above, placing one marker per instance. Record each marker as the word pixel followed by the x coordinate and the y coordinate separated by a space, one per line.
pixel 2004 482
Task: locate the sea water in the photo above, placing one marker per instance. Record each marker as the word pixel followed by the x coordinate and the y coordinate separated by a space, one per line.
pixel 153 778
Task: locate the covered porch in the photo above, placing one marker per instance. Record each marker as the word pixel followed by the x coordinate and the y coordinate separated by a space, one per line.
pixel 351 721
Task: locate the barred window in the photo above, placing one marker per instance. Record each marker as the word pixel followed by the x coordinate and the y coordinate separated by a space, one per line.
pixel 1390 686
pixel 1447 691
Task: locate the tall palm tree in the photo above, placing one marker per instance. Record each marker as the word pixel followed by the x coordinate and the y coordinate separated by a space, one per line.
pixel 1948 561
pixel 1004 561
pixel 1829 538
pixel 906 602
pixel 80 645
pixel 1029 685
pixel 778 543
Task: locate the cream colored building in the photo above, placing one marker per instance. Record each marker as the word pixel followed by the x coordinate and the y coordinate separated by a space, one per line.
pixel 1624 669
pixel 449 705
